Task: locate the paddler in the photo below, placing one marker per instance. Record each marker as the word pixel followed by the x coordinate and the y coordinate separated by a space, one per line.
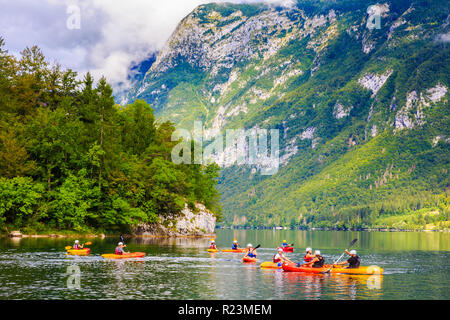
pixel 317 262
pixel 284 244
pixel 213 244
pixel 279 257
pixel 235 245
pixel 309 255
pixel 119 249
pixel 77 245
pixel 251 252
pixel 353 262
pixel 307 258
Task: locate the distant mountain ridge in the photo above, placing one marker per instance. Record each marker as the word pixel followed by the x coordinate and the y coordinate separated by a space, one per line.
pixel 363 112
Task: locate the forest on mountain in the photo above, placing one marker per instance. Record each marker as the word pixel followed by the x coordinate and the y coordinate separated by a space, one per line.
pixel 73 160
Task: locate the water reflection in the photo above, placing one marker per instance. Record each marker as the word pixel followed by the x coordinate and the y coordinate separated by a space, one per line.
pixel 180 268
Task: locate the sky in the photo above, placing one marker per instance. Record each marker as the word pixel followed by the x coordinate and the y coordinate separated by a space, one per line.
pixel 104 37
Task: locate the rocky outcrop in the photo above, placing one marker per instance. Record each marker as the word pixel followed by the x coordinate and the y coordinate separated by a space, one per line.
pixel 188 223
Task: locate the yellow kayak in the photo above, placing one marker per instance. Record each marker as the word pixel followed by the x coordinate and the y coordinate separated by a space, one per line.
pixel 212 250
pixel 123 256
pixel 79 252
pixel 270 265
pixel 234 250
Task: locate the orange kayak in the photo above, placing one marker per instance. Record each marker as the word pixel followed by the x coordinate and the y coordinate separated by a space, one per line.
pixel 248 259
pixel 288 249
pixel 79 252
pixel 234 250
pixel 271 265
pixel 123 256
pixel 290 267
pixel 212 250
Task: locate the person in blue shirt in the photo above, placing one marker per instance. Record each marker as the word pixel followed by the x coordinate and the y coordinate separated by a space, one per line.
pixel 284 244
pixel 251 252
pixel 235 245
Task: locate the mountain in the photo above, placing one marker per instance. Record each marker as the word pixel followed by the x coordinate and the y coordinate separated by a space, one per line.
pixel 357 89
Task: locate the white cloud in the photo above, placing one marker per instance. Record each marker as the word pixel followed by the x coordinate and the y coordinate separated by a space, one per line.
pixel 113 33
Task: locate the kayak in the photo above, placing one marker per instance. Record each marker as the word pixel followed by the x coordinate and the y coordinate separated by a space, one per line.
pixel 248 259
pixel 234 250
pixel 271 265
pixel 123 256
pixel 290 267
pixel 288 249
pixel 79 252
pixel 212 250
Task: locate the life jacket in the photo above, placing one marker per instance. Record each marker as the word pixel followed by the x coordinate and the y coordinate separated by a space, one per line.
pixel 307 259
pixel 275 260
pixel 234 246
pixel 285 244
pixel 119 250
pixel 76 247
pixel 320 263
pixel 354 262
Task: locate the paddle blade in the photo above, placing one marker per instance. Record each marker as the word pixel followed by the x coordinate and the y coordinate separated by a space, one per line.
pixel 353 242
pixel 88 243
pixel 257 247
pixel 68 247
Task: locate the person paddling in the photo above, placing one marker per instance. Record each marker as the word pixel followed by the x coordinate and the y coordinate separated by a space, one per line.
pixel 308 257
pixel 317 262
pixel 285 244
pixel 353 262
pixel 279 257
pixel 251 252
pixel 119 249
pixel 77 245
pixel 235 245
pixel 213 244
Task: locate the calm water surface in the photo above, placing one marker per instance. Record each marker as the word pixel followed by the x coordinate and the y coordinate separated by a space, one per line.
pixel 416 266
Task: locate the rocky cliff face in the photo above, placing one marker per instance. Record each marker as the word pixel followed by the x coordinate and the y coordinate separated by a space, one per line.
pixel 330 84
pixel 188 223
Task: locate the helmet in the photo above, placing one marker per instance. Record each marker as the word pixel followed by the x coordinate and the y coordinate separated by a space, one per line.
pixel 77 241
pixel 353 252
pixel 212 241
pixel 284 240
pixel 308 249
pixel 279 249
pixel 120 243
pixel 249 245
pixel 317 252
pixel 234 240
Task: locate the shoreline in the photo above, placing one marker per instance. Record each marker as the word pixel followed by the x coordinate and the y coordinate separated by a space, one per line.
pixel 101 236
pixel 331 229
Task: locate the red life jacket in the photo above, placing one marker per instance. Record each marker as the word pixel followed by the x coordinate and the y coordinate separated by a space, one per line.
pixel 118 251
pixel 307 259
pixel 276 260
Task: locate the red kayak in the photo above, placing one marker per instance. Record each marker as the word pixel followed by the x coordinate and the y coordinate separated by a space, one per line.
pixel 248 259
pixel 371 270
pixel 288 249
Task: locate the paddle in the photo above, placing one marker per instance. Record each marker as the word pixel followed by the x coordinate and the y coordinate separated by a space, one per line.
pixel 351 244
pixel 254 248
pixel 86 244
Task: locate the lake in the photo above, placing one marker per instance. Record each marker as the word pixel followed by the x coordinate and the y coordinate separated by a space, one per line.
pixel 416 266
